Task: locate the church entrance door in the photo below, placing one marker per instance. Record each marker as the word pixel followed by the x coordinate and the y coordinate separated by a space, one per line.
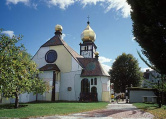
pixel 85 94
pixel 94 94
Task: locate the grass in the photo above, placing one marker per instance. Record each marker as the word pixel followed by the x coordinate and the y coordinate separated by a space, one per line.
pixel 159 113
pixel 48 109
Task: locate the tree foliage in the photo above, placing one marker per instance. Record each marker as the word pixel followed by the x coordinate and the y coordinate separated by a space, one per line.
pixel 125 71
pixel 149 29
pixel 18 73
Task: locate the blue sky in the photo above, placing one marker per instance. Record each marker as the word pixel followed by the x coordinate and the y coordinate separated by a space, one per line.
pixel 36 20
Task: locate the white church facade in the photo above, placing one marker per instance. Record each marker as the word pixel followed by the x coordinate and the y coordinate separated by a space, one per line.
pixel 73 76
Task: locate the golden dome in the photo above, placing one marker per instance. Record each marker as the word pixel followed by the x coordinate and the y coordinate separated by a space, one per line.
pixel 88 34
pixel 58 28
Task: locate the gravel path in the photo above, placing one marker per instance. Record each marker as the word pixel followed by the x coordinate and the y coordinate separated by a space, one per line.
pixel 113 111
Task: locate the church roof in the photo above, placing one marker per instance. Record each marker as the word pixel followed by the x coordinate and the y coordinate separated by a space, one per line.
pixel 57 40
pixel 72 52
pixel 92 67
pixel 49 67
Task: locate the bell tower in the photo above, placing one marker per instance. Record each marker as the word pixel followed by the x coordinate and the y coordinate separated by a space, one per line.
pixel 88 47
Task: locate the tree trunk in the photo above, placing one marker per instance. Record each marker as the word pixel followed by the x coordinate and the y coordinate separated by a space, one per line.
pixel 16 100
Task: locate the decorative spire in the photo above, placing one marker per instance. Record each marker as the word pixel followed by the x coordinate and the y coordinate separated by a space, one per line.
pixel 88 35
pixel 88 20
pixel 58 29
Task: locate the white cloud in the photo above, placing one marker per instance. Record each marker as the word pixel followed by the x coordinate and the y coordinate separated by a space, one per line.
pixel 34 5
pixel 63 36
pixel 133 38
pixel 9 33
pixel 144 69
pixel 119 5
pixel 63 4
pixel 17 1
pixel 85 2
pixel 106 67
pixel 104 59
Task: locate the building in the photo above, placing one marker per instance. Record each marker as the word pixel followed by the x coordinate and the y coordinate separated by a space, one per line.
pixel 150 78
pixel 74 77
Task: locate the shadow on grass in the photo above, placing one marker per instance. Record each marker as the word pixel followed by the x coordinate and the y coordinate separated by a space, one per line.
pixel 11 106
pixel 150 106
pixel 60 101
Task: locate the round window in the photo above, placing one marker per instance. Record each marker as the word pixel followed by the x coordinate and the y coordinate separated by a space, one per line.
pixel 51 56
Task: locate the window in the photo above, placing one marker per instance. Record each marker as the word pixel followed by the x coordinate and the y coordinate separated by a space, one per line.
pixel 51 56
pixel 85 86
pixel 91 81
pixel 95 82
pixel 89 47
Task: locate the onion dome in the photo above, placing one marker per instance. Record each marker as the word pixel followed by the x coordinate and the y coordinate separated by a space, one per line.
pixel 88 35
pixel 58 28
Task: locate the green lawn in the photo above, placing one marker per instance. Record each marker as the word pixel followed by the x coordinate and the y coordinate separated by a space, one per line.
pixel 159 113
pixel 48 108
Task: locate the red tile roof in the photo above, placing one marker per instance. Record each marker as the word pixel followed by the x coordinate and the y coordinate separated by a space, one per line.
pixel 92 67
pixel 49 67
pixel 56 40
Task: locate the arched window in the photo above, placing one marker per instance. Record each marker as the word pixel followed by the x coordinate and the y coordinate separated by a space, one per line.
pixel 95 82
pixel 85 86
pixel 91 81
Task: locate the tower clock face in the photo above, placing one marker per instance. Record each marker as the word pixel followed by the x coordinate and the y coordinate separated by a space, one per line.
pixel 87 54
pixel 51 56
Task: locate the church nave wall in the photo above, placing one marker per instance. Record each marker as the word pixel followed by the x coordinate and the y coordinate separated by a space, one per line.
pixel 64 58
pixel 69 86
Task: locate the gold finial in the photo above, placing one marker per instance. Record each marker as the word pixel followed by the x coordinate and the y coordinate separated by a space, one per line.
pixel 96 53
pixel 58 28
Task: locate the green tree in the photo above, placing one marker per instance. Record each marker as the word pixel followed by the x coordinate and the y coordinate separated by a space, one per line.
pixel 125 71
pixel 149 29
pixel 18 73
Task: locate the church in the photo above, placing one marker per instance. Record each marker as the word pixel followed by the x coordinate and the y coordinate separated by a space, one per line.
pixel 73 76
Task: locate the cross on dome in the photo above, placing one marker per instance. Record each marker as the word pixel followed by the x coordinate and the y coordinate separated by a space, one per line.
pixel 88 19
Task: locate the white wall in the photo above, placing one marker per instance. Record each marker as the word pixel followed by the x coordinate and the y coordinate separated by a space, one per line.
pixel 99 86
pixel 137 95
pixel 39 57
pixel 69 79
pixel 105 81
pixel 48 76
pixel 75 65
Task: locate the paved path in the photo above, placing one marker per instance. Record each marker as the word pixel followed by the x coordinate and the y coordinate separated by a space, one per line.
pixel 113 111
